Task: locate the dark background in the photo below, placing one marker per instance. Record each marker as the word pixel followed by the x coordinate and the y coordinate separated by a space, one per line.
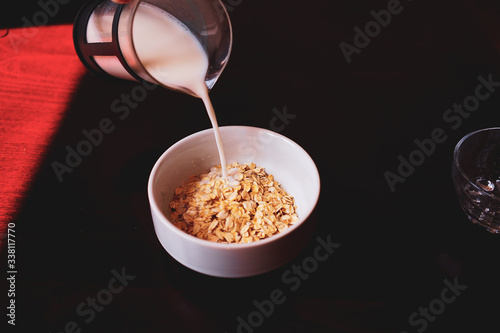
pixel 397 248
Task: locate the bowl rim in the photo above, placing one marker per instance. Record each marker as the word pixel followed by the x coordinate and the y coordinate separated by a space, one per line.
pixel 223 246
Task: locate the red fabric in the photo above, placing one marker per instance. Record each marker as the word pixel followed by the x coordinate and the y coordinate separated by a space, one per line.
pixel 39 71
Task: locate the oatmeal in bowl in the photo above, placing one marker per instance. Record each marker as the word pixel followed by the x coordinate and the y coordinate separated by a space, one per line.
pixel 248 206
pixel 254 220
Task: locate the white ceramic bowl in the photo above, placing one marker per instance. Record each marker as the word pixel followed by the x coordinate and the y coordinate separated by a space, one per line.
pixel 291 166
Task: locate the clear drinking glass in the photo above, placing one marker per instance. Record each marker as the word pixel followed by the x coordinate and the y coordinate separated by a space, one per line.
pixel 476 177
pixel 104 40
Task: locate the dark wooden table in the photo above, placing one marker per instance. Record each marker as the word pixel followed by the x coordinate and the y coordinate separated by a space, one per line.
pixel 86 255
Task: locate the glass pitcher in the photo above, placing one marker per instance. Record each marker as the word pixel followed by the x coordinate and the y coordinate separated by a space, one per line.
pixel 104 37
